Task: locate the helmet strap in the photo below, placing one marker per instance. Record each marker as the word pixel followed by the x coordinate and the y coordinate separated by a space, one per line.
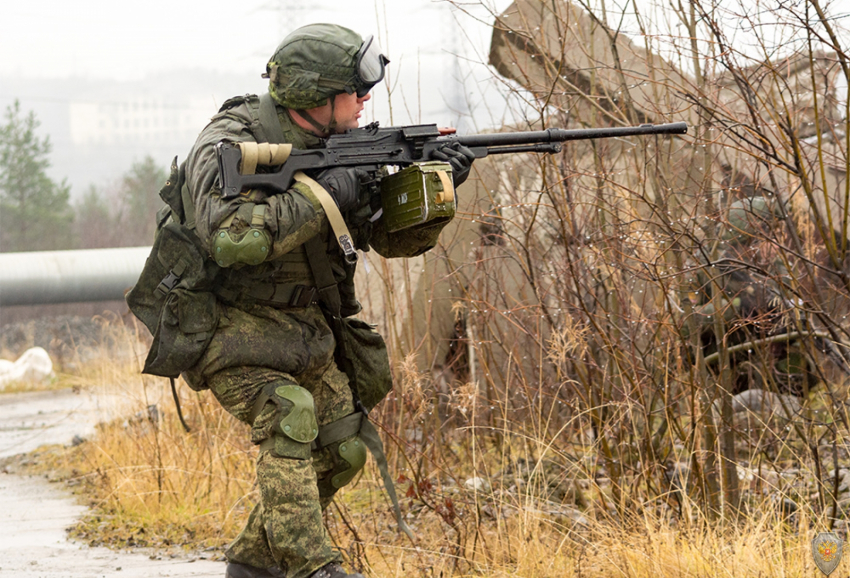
pixel 323 130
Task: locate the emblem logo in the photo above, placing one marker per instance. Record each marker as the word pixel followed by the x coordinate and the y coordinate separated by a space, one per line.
pixel 826 550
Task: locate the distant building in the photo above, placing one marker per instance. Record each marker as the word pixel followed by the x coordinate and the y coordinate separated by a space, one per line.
pixel 137 120
pixel 99 128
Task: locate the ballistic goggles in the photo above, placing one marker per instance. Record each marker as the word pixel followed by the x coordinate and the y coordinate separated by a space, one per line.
pixel 369 68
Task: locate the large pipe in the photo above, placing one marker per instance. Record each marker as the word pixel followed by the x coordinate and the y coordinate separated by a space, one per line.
pixel 46 277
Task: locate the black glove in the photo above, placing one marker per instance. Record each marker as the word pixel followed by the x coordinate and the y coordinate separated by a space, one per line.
pixel 343 183
pixel 457 155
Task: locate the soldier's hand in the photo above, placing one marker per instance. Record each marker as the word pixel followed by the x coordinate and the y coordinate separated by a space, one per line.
pixel 458 156
pixel 343 183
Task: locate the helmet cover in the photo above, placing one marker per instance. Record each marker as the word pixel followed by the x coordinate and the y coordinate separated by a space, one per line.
pixel 319 61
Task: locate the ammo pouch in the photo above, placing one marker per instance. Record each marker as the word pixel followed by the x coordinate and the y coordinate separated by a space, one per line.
pixel 366 362
pixel 173 298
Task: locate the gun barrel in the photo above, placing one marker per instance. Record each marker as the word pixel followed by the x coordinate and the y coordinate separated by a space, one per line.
pixel 562 135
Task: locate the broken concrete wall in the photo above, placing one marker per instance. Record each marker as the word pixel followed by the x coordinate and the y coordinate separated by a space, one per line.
pixel 570 60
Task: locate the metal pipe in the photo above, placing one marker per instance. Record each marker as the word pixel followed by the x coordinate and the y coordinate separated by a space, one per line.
pixel 47 277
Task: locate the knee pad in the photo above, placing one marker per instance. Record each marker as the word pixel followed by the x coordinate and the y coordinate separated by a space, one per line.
pixel 348 452
pixel 349 458
pixel 295 426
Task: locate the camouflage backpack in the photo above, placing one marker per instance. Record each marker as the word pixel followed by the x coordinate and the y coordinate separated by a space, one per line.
pixel 174 297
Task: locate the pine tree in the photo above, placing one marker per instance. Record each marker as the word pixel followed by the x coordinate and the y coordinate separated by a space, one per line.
pixel 140 201
pixel 35 213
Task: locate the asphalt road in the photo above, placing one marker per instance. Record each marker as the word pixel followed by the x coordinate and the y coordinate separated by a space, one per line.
pixel 35 513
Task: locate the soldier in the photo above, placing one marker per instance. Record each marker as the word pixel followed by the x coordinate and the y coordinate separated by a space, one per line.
pixel 754 304
pixel 259 317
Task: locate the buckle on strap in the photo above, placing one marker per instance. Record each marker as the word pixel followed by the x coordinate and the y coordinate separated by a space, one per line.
pixel 172 279
pixel 166 285
pixel 303 296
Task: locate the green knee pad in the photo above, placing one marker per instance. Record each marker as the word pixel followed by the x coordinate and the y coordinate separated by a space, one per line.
pixel 341 439
pixel 295 426
pixel 349 458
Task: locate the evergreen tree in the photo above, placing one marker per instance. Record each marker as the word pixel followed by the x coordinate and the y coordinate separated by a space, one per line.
pixel 95 224
pixel 35 213
pixel 139 198
pixel 122 213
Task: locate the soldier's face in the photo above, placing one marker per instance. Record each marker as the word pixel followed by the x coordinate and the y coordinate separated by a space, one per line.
pixel 347 110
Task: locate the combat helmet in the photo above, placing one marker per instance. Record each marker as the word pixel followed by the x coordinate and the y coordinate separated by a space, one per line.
pixel 748 216
pixel 316 62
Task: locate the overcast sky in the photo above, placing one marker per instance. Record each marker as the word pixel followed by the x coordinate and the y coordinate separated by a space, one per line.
pixel 127 41
pixel 124 40
pixel 430 44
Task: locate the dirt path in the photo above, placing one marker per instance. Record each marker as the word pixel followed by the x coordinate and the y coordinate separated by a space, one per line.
pixel 34 513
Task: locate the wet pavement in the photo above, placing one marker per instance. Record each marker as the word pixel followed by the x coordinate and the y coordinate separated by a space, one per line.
pixel 35 513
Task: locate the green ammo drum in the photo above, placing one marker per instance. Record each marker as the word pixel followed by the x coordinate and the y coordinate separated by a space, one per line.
pixel 420 193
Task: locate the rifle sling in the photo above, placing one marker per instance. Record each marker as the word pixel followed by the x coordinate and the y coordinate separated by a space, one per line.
pixel 329 293
pixel 340 229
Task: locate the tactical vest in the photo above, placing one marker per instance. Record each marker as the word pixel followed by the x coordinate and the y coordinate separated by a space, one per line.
pixel 175 296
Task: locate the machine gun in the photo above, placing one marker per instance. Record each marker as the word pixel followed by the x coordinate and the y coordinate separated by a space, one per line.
pixel 372 147
pixel 411 196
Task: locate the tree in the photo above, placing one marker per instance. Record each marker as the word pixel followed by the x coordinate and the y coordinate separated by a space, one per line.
pixel 122 213
pixel 35 213
pixel 140 201
pixel 94 223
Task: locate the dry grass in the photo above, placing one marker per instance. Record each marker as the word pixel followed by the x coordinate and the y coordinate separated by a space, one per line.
pixel 151 484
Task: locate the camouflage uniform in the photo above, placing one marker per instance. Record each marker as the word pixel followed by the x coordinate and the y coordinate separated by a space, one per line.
pixel 754 307
pixel 248 295
pixel 258 343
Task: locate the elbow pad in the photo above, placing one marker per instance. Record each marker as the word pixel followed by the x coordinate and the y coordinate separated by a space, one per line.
pixel 249 246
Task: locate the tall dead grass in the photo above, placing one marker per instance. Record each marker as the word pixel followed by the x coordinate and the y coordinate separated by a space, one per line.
pixel 523 506
pixel 149 481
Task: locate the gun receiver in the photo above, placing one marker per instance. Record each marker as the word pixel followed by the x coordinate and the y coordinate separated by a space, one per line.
pixel 372 147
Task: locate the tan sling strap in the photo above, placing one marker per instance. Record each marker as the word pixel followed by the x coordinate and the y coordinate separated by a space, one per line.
pixel 340 229
pixel 448 194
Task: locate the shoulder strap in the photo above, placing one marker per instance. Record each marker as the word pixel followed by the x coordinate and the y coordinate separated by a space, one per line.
pixel 188 203
pixel 340 229
pixel 269 120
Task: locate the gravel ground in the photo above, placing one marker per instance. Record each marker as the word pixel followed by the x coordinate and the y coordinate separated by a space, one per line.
pixel 34 513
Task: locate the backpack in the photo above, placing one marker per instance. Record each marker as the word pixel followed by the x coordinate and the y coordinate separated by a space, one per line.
pixel 174 295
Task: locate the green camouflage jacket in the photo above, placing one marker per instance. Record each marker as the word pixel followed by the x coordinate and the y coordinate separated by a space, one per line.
pixel 292 217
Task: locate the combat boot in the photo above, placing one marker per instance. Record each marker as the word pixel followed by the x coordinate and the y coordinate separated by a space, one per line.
pixel 334 570
pixel 237 570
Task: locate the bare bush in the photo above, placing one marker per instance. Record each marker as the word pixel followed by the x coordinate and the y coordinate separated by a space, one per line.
pixel 587 300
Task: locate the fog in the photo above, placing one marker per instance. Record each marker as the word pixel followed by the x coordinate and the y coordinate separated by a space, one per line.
pixel 89 68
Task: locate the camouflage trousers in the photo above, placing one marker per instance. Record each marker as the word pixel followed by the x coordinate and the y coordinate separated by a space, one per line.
pixel 285 528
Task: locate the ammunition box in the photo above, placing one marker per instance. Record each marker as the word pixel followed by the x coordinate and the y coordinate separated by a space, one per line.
pixel 420 193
